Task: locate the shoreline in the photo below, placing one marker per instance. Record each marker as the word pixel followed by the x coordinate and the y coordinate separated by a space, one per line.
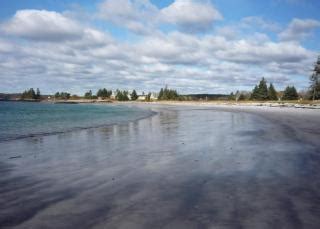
pixel 284 104
pixel 213 104
pixel 288 115
pixel 310 105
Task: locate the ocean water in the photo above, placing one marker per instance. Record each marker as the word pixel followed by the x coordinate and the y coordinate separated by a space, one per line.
pixel 24 119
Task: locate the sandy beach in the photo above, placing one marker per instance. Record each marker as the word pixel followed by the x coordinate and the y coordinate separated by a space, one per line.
pixel 184 167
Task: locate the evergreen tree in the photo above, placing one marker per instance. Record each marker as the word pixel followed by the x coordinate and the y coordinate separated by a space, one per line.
pixel 315 81
pixel 122 95
pixel 255 93
pixel 62 95
pixel 104 93
pixel 263 90
pixel 99 93
pixel 134 95
pixel 125 96
pixel 160 94
pixel 38 94
pixel 260 92
pixel 290 93
pixel 29 94
pixel 168 94
pixel 272 93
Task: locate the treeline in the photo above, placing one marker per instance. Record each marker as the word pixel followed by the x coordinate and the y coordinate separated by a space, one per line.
pixel 120 95
pixel 62 95
pixel 104 93
pixel 31 94
pixel 168 94
pixel 263 92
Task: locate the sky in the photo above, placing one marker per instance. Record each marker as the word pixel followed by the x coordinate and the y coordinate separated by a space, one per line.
pixel 193 46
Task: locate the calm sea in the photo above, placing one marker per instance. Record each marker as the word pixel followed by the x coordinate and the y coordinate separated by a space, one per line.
pixel 23 119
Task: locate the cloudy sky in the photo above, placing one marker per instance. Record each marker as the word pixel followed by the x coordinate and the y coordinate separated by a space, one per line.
pixel 194 46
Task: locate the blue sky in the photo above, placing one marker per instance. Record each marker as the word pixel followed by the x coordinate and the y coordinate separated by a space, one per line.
pixel 195 46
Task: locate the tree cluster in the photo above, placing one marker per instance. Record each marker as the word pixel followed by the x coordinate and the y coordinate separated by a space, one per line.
pixel 31 94
pixel 262 92
pixel 104 93
pixel 168 94
pixel 122 95
pixel 290 93
pixel 89 95
pixel 62 95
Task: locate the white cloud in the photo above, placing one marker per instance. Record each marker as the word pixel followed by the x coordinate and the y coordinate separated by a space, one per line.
pixel 191 15
pixel 136 15
pixel 259 23
pixel 184 61
pixel 83 57
pixel 299 29
pixel 141 16
pixel 245 51
pixel 41 25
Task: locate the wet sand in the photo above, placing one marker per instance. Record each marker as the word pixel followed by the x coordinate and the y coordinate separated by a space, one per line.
pixel 186 167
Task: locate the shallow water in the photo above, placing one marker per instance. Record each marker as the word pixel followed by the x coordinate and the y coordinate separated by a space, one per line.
pixel 25 119
pixel 182 168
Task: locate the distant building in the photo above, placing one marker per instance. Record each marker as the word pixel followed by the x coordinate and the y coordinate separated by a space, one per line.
pixel 113 95
pixel 154 96
pixel 142 97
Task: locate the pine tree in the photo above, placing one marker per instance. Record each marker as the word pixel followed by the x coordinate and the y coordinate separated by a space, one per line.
pixel 160 94
pixel 122 95
pixel 290 93
pixel 260 92
pixel 263 90
pixel 134 95
pixel 272 93
pixel 168 94
pixel 255 93
pixel 38 95
pixel 31 94
pixel 104 93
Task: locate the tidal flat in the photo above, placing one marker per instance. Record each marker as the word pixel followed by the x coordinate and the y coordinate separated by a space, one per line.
pixel 184 167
